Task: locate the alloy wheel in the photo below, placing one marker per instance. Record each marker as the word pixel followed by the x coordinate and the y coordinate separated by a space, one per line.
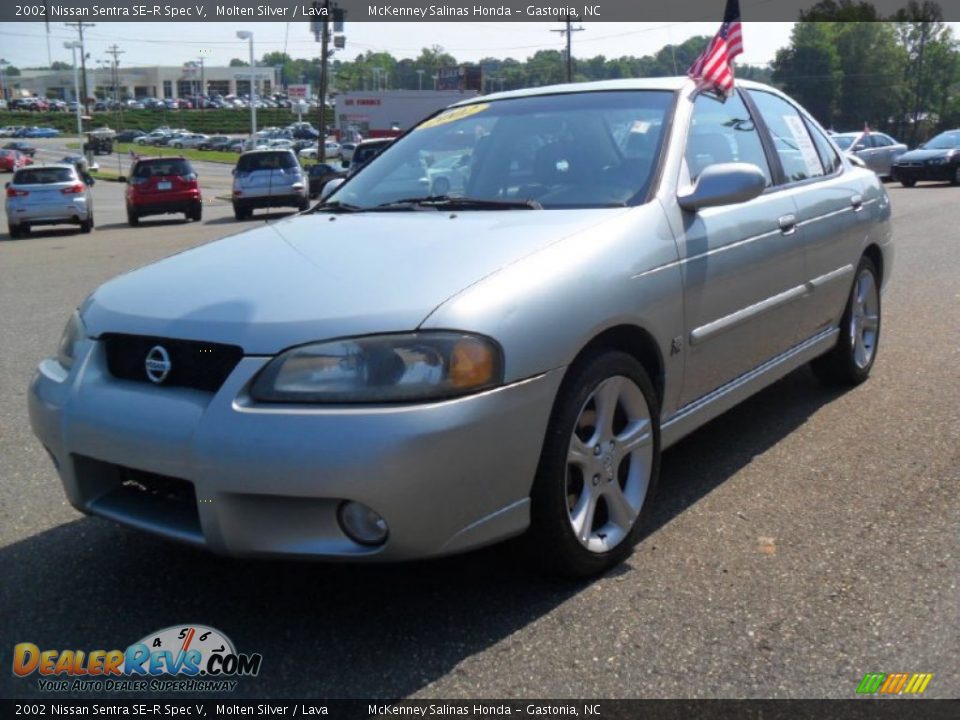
pixel 609 463
pixel 864 319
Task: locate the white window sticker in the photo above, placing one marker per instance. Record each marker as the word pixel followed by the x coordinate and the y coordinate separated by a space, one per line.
pixel 804 145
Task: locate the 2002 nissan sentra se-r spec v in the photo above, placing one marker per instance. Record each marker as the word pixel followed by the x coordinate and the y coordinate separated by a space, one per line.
pixel 395 376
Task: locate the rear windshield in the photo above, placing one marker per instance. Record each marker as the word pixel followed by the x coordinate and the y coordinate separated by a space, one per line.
pixel 42 176
pixel 162 167
pixel 266 161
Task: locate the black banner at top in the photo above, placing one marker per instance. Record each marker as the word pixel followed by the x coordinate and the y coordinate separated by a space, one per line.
pixel 430 10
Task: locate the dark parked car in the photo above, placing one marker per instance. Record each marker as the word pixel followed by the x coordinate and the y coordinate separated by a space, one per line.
pixel 936 159
pixel 126 136
pixel 158 186
pixel 217 142
pixel 322 173
pixel 21 147
pixel 365 151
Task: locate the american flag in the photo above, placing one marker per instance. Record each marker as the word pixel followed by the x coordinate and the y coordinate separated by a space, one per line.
pixel 713 69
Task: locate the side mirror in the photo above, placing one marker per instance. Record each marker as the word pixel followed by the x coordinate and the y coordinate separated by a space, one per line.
pixel 854 160
pixel 724 184
pixel 330 187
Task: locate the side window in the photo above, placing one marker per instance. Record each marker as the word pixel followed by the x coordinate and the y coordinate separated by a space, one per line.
pixel 723 132
pixel 828 156
pixel 864 142
pixel 796 150
pixel 881 141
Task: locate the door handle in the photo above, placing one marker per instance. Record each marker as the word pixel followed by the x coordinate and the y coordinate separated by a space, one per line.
pixel 856 201
pixel 788 224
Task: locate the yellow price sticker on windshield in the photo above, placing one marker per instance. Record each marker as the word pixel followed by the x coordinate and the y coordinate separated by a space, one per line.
pixel 452 115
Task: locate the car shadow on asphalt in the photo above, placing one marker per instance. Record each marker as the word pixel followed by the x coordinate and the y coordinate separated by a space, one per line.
pixel 338 630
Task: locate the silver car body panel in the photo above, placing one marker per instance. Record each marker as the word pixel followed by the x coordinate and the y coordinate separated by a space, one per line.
pixel 730 297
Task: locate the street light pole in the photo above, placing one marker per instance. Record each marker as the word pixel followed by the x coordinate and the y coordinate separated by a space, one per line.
pixel 420 79
pixel 73 45
pixel 247 35
pixel 3 82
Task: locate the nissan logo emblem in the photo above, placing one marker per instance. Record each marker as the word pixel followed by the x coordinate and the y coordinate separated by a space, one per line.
pixel 158 364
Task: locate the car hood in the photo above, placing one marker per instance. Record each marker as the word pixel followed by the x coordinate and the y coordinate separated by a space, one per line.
pixel 321 276
pixel 921 155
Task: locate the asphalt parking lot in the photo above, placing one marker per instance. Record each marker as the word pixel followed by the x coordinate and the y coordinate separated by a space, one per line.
pixel 799 541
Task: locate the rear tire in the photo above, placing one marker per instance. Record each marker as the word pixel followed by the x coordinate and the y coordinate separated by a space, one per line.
pixel 851 359
pixel 955 180
pixel 598 469
pixel 87 225
pixel 908 183
pixel 196 214
pixel 240 212
pixel 304 205
pixel 15 232
pixel 132 218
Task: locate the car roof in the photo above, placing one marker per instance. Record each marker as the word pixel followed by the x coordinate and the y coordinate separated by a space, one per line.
pixel 159 159
pixel 673 84
pixel 267 150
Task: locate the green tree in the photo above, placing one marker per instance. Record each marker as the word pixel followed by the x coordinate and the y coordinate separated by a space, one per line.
pixel 809 70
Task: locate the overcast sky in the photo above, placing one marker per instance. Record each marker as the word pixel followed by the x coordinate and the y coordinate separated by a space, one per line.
pixel 25 44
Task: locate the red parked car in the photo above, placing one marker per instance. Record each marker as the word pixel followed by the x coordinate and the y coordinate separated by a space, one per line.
pixel 12 160
pixel 159 186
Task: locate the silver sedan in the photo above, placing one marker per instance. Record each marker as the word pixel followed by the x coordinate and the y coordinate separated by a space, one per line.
pixel 877 150
pixel 399 375
pixel 48 195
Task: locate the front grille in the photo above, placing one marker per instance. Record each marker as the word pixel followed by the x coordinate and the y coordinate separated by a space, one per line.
pixel 199 365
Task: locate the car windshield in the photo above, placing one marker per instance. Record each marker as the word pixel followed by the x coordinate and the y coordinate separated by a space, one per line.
pixel 944 141
pixel 554 151
pixel 844 141
pixel 266 161
pixel 42 176
pixel 160 168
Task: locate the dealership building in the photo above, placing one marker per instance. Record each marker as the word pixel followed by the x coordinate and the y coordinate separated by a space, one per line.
pixel 380 113
pixel 139 82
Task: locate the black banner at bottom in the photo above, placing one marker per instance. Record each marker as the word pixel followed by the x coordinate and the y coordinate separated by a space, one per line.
pixel 857 709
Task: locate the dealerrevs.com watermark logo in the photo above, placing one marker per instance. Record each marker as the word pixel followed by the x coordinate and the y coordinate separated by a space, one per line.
pixel 180 658
pixel 894 683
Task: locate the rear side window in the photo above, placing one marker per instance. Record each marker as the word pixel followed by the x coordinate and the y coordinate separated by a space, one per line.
pixel 42 176
pixel 266 161
pixel 164 167
pixel 798 155
pixel 363 153
pixel 723 132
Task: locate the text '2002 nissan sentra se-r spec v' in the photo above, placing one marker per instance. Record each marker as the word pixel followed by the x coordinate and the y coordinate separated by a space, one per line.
pixel 399 375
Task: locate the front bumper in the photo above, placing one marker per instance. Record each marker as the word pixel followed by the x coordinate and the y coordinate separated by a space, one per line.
pixel 917 173
pixel 268 480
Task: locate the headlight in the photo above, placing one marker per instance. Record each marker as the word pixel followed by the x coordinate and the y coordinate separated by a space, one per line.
pixel 73 333
pixel 383 368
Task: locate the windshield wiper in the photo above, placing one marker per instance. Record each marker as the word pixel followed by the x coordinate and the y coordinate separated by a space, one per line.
pixel 336 206
pixel 447 202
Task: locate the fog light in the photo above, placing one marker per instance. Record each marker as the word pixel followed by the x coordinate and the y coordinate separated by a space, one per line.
pixel 362 524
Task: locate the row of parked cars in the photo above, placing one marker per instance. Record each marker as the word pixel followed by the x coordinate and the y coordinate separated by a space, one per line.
pixel 60 193
pixel 936 159
pixel 24 131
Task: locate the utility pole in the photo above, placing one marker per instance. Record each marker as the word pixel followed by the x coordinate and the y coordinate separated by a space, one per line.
pixel 324 49
pixel 568 31
pixel 79 26
pixel 115 81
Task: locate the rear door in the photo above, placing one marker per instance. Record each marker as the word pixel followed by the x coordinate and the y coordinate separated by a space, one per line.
pixel 832 208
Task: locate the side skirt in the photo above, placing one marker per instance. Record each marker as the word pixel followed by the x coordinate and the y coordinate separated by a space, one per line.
pixel 704 409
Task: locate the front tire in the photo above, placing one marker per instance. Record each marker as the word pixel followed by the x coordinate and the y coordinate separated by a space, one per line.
pixel 852 358
pixel 598 469
pixel 955 180
pixel 908 183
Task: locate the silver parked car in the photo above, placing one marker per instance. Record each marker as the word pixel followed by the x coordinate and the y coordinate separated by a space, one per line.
pixel 48 195
pixel 401 375
pixel 268 178
pixel 877 150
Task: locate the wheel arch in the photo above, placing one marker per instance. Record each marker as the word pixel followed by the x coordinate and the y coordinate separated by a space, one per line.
pixel 635 341
pixel 875 254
